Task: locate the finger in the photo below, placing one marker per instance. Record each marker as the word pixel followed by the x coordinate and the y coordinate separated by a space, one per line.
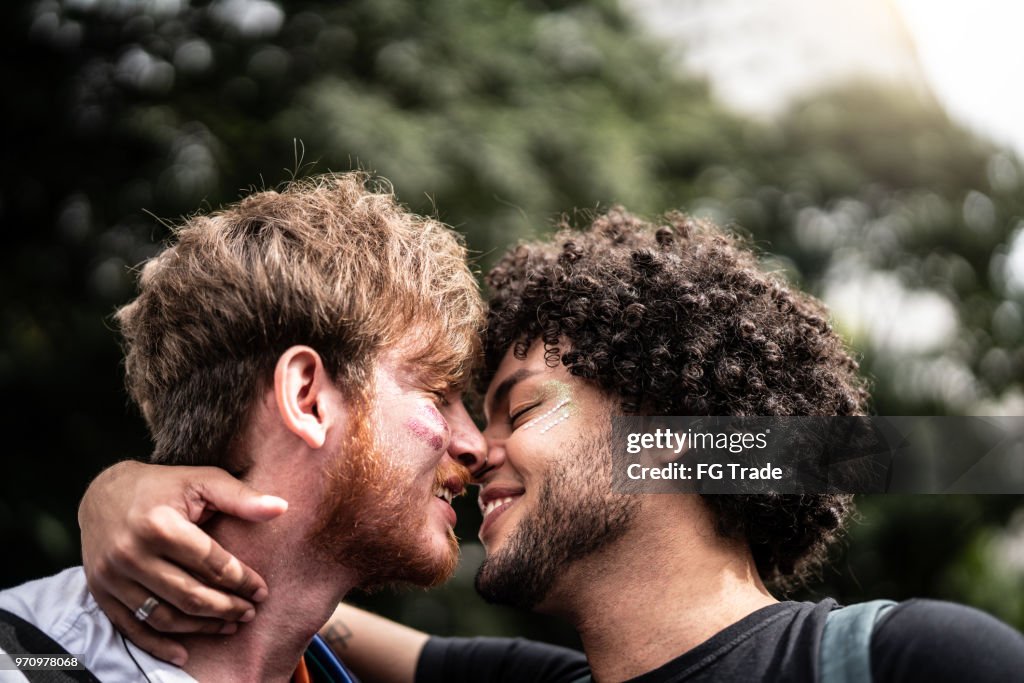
pixel 164 580
pixel 183 543
pixel 220 490
pixel 167 618
pixel 174 587
pixel 144 637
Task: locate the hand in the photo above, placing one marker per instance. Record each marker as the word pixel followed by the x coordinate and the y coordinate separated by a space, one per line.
pixel 140 539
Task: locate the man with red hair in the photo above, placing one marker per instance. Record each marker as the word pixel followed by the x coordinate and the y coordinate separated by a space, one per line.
pixel 312 342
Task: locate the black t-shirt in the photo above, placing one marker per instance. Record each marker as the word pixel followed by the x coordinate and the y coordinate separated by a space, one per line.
pixel 917 640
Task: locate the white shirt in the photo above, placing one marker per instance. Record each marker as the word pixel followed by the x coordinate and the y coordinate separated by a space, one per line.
pixel 62 607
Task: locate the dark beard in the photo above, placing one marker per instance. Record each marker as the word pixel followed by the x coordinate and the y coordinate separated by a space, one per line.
pixel 577 515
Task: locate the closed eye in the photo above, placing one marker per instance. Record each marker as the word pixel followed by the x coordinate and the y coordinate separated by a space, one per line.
pixel 519 413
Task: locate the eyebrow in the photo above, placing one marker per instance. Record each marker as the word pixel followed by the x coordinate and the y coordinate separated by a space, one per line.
pixel 506 386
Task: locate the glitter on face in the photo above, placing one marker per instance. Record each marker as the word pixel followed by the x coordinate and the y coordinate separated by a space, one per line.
pixel 432 429
pixel 541 418
pixel 563 409
pixel 562 418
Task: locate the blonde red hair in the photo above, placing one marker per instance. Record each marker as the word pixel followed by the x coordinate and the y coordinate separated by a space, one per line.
pixel 333 262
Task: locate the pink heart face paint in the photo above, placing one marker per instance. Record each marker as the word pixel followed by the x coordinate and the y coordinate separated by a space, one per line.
pixel 429 427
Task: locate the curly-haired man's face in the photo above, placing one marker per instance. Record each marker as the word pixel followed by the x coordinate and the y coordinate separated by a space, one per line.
pixel 546 497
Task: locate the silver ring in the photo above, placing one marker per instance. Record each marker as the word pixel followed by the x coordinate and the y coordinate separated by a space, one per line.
pixel 147 608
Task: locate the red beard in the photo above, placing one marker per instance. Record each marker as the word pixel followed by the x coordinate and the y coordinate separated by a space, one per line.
pixel 373 525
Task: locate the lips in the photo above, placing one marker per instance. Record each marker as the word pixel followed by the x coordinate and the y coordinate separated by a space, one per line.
pixel 448 490
pixel 494 504
pixel 494 501
pixel 447 510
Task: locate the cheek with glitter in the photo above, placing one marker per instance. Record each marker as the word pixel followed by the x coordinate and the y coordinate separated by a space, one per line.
pixel 425 434
pixel 429 427
pixel 561 410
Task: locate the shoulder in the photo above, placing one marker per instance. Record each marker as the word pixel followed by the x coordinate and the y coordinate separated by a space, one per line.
pixel 944 641
pixel 62 607
pixel 53 604
pixel 498 659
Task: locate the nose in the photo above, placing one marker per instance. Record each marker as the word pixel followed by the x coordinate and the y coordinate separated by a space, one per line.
pixel 467 445
pixel 495 458
pixel 495 455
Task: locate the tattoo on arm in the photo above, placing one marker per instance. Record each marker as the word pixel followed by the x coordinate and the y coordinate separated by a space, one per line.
pixel 338 634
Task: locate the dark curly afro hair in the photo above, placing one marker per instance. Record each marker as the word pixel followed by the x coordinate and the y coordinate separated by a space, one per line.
pixel 679 319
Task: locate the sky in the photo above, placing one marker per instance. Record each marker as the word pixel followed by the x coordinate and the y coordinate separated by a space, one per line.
pixel 759 55
pixel 972 54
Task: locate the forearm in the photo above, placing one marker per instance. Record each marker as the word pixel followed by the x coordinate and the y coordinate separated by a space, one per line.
pixel 91 508
pixel 377 650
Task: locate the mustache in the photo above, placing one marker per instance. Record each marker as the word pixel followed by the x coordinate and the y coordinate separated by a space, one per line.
pixel 453 476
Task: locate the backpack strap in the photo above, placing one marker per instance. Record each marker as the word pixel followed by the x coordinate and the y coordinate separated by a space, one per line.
pixel 19 637
pixel 324 665
pixel 845 652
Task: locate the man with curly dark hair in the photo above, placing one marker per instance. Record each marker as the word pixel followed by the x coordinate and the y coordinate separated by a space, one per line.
pixel 674 318
pixel 679 319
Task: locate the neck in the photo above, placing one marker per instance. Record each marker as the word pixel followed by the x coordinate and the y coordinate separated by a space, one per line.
pixel 304 590
pixel 657 593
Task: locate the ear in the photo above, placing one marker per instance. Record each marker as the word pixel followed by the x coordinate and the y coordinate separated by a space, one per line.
pixel 300 389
